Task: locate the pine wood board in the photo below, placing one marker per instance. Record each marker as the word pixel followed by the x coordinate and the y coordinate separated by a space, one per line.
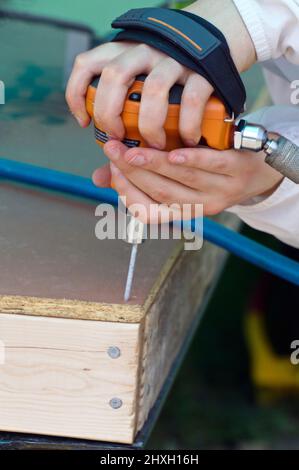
pixel 57 378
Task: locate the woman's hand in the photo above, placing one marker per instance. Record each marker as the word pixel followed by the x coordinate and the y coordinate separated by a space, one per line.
pixel 217 180
pixel 119 64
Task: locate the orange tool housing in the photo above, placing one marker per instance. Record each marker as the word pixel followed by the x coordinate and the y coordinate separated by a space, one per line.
pixel 217 125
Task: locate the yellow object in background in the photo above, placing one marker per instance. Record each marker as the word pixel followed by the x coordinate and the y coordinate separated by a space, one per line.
pixel 269 371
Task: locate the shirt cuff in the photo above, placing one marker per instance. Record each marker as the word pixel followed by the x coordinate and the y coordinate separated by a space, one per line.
pixel 279 195
pixel 252 15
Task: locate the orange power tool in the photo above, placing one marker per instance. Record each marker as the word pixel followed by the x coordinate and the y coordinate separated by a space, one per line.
pixel 217 126
pixel 217 132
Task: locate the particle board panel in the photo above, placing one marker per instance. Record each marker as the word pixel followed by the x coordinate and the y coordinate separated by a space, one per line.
pixel 57 378
pixel 52 263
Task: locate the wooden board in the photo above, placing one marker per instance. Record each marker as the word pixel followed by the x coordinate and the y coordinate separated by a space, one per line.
pixel 52 264
pixel 61 308
pixel 58 378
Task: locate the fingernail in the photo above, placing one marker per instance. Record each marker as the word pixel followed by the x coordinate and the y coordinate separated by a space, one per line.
pixel 177 158
pixel 80 120
pixel 156 146
pixel 113 153
pixel 191 143
pixel 111 137
pixel 138 160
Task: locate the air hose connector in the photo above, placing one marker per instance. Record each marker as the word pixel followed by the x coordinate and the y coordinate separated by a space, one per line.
pixel 283 156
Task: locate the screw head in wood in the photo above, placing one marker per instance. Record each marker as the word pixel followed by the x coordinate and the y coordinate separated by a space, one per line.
pixel 115 403
pixel 113 352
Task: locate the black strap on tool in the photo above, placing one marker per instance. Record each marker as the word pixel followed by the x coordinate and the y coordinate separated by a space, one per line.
pixel 191 41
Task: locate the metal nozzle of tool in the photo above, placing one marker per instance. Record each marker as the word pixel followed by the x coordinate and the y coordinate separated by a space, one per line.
pixel 135 236
pixel 250 136
pixel 281 153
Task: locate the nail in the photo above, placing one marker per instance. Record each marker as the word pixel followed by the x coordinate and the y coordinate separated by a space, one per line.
pixel 157 146
pixel 177 158
pixel 191 143
pixel 80 120
pixel 137 160
pixel 113 153
pixel 111 137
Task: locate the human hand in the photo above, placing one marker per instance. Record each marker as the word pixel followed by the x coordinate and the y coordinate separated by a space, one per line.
pixel 217 180
pixel 118 64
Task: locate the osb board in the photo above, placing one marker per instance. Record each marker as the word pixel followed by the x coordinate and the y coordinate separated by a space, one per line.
pixel 52 264
pixel 57 378
pixel 171 314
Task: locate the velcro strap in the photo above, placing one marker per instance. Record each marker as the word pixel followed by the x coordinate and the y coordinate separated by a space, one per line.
pixel 193 42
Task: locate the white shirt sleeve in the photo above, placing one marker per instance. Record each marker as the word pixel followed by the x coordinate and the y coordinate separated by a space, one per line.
pixel 273 26
pixel 279 213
